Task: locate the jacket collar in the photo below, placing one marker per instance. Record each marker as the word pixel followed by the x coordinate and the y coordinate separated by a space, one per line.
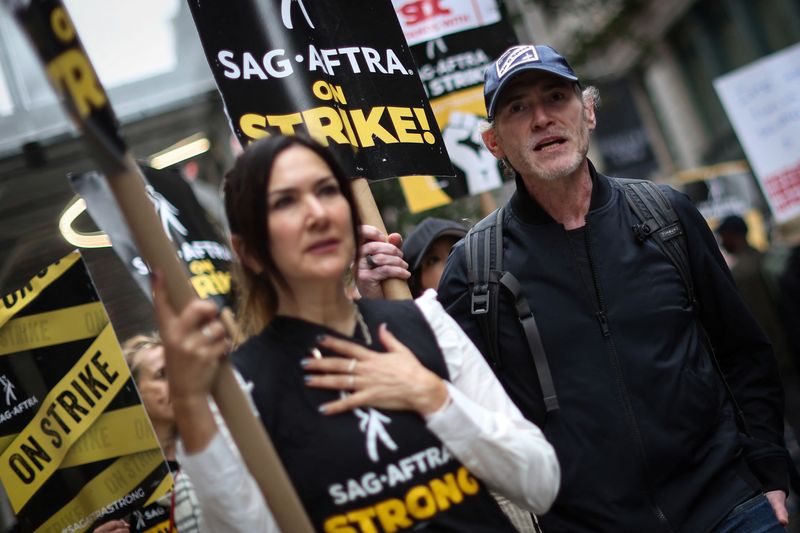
pixel 527 209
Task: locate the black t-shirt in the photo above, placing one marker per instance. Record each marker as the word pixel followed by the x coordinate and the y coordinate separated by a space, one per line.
pixel 369 469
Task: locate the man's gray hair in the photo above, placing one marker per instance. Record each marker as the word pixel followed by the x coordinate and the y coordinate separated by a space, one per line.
pixel 591 93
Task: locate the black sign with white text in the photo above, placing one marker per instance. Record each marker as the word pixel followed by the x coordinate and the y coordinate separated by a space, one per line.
pixel 340 72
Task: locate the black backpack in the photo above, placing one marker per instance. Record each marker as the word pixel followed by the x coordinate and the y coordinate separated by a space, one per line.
pixel 483 246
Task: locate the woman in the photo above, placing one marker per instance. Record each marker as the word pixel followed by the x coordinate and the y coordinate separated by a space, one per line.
pixel 382 412
pixel 144 355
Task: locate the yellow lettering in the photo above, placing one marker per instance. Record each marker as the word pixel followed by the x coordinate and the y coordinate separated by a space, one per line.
pixel 285 123
pixel 322 123
pixel 348 127
pixel 338 524
pixel 403 120
pixel 201 266
pixel 364 519
pixel 72 69
pixel 392 515
pixel 203 286
pixel 62 25
pixel 368 128
pixel 469 485
pixel 222 281
pixel 446 491
pixel 253 125
pixel 420 502
pixel 327 91
pixel 423 121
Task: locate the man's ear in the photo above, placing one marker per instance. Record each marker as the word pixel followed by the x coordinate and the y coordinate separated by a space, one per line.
pixel 589 112
pixel 244 257
pixel 489 137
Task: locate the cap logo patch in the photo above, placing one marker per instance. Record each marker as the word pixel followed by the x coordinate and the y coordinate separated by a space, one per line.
pixel 515 56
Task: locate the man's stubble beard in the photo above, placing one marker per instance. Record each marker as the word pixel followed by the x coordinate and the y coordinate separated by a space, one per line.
pixel 552 175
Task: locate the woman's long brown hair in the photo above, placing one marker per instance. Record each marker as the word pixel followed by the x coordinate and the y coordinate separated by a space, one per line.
pixel 247 210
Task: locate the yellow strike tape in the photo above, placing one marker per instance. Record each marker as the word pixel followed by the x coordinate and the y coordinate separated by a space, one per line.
pixel 66 413
pixel 13 302
pixel 116 482
pixel 163 487
pixel 163 527
pixel 115 433
pixel 53 327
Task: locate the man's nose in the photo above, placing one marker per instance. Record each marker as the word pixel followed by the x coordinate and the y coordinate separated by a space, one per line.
pixel 540 117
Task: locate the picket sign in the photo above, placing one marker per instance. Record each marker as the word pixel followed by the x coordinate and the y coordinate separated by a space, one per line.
pixel 55 39
pixel 247 431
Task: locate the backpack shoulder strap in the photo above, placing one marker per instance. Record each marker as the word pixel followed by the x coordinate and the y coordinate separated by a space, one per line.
pixel 659 221
pixel 483 247
pixel 484 250
pixel 535 346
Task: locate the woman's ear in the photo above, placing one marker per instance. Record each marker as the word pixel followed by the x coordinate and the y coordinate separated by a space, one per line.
pixel 244 257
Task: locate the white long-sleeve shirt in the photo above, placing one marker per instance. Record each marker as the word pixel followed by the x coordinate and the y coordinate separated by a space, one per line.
pixel 480 426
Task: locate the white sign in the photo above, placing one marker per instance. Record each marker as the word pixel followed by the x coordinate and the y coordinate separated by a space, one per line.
pixel 762 101
pixel 426 20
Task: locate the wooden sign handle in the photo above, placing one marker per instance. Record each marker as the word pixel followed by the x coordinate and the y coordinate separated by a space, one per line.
pixel 246 429
pixel 393 288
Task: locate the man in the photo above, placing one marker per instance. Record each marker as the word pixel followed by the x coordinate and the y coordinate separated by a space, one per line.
pixel 760 291
pixel 645 430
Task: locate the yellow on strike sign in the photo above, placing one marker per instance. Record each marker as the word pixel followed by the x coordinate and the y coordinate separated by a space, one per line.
pixel 76 446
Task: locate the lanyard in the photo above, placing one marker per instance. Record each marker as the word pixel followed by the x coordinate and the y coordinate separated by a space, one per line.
pixel 172 504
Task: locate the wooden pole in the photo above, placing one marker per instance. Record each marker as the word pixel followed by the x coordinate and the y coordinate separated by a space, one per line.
pixel 246 429
pixel 83 97
pixel 393 289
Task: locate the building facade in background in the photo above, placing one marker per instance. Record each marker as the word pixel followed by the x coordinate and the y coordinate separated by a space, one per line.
pixel 662 58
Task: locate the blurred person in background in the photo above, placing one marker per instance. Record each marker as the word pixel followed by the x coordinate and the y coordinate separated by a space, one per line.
pixel 145 357
pixel 771 306
pixel 426 250
pixel 758 289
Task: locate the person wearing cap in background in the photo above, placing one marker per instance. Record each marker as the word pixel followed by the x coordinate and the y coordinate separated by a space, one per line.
pixel 426 250
pixel 644 428
pixel 761 293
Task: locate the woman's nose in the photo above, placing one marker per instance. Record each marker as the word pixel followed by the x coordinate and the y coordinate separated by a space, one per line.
pixel 316 210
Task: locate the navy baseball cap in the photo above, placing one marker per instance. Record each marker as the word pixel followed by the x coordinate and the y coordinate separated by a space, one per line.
pixel 519 59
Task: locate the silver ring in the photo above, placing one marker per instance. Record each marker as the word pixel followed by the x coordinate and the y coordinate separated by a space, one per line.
pixel 206 331
pixel 351 368
pixel 350 381
pixel 370 261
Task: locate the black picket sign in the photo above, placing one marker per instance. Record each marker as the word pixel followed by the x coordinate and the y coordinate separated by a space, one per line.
pixel 201 247
pixel 52 33
pixel 340 72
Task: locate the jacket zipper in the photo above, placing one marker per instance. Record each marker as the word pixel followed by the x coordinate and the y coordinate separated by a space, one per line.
pixel 602 319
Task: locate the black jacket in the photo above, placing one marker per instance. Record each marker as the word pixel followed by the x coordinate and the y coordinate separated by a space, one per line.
pixel 645 432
